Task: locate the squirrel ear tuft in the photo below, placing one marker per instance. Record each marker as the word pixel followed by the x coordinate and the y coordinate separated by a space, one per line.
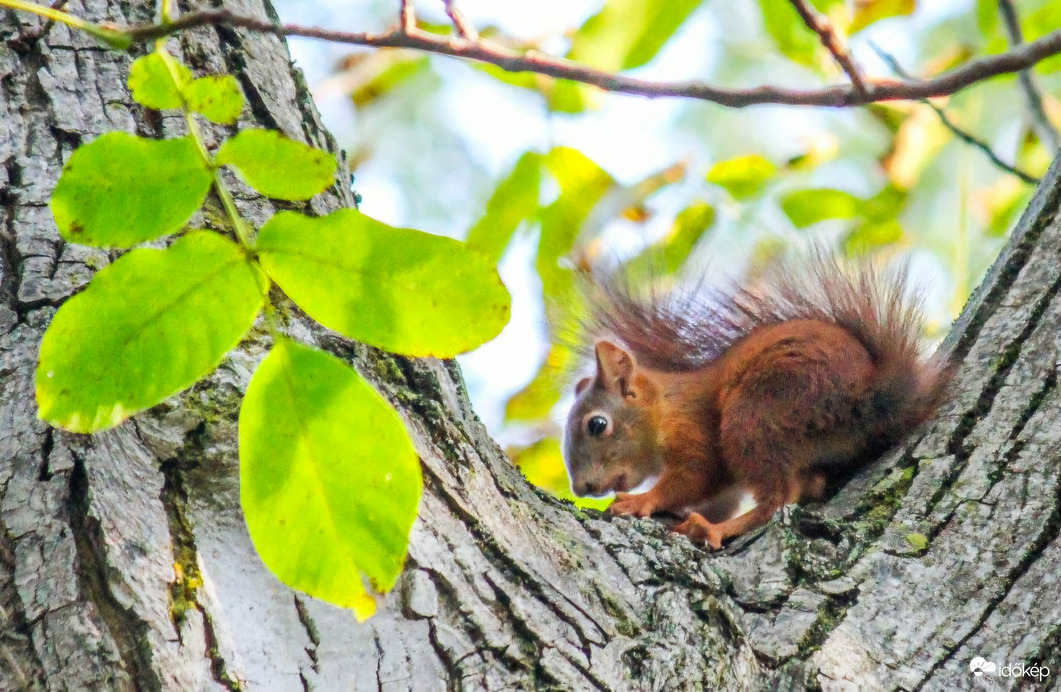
pixel 615 367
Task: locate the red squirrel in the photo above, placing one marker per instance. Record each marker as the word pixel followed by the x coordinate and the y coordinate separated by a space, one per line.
pixel 770 389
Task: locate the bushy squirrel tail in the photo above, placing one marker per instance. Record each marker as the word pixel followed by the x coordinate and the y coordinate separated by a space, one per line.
pixel 687 326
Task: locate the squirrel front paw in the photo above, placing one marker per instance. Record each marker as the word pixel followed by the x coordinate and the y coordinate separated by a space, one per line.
pixel 700 530
pixel 627 504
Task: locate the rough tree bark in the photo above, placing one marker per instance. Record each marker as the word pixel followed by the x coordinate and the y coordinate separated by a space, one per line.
pixel 125 563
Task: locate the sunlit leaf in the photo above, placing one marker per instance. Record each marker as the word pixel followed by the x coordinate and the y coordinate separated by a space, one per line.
pixel 514 200
pixel 278 167
pixel 329 479
pixel 743 176
pixel 791 36
pixel 149 325
pixel 869 11
pixel 628 33
pixel 396 288
pixel 120 189
pixel 217 97
pixel 543 465
pixel 807 207
pixel 153 84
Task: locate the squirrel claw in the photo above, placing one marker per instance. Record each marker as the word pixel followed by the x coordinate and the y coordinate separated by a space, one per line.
pixel 699 530
pixel 627 504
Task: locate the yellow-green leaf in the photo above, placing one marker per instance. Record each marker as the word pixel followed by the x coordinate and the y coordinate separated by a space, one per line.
pixel 149 325
pixel 743 176
pixel 807 207
pixel 869 11
pixel 153 84
pixel 278 167
pixel 217 97
pixel 514 200
pixel 120 189
pixel 396 288
pixel 329 479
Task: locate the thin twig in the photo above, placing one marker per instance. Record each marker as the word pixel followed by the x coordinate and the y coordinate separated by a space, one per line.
pixel 406 17
pixel 1040 123
pixel 963 135
pixel 484 51
pixel 821 26
pixel 460 22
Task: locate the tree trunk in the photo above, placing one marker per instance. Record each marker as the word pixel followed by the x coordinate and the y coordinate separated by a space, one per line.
pixel 125 562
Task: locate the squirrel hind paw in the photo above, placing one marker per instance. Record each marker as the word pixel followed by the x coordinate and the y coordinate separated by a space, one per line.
pixel 700 530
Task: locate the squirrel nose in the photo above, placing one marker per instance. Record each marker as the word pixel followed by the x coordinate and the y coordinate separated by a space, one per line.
pixel 583 488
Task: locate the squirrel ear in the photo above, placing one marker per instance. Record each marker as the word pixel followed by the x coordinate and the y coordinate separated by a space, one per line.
pixel 615 367
pixel 582 384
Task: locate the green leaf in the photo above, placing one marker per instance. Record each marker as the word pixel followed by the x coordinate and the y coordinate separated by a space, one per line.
pixel 396 288
pixel 278 167
pixel 217 97
pixel 120 189
pixel 152 83
pixel 743 176
pixel 149 325
pixel 628 33
pixel 808 207
pixel 870 11
pixel 667 256
pixel 791 36
pixel 329 479
pixel 871 235
pixel 534 401
pixel 514 200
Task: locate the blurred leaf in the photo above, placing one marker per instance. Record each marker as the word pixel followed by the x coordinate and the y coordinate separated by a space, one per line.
pixel 872 235
pixel 382 72
pixel 565 96
pixel 743 176
pixel 807 207
pixel 628 33
pixel 869 11
pixel 278 167
pixel 1002 204
pixel 119 190
pixel 399 289
pixel 582 184
pixel 329 479
pixel 149 325
pixel 667 256
pixel 514 201
pixel 537 399
pixel 543 465
pixel 885 205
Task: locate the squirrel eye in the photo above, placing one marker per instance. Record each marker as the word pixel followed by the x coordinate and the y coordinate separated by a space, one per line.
pixel 596 426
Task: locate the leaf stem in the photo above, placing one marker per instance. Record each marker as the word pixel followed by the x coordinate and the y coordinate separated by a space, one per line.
pixel 114 38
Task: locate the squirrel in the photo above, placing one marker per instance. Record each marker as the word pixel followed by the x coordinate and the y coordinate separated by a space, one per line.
pixel 772 389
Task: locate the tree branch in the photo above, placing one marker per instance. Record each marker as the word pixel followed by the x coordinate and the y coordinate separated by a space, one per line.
pixel 821 26
pixel 484 51
pixel 958 132
pixel 460 22
pixel 1040 123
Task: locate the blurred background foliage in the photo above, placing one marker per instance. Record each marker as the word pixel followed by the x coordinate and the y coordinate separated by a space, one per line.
pixel 540 174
